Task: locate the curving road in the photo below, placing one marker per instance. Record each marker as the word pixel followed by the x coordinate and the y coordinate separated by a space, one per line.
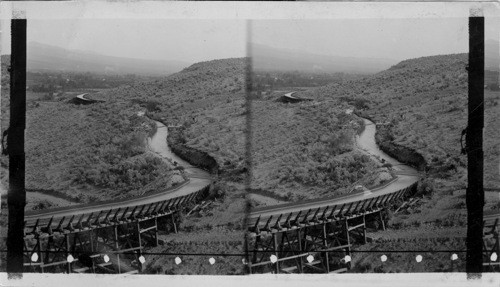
pixel 198 179
pixel 366 141
pixel 158 144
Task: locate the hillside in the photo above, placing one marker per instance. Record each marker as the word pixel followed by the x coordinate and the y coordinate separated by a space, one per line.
pixel 98 147
pixel 423 106
pixel 207 99
pixel 5 77
pixel 424 103
pixel 305 150
pixel 4 120
pixel 88 153
pixel 77 146
pixel 78 154
pixel 301 151
pixel 81 153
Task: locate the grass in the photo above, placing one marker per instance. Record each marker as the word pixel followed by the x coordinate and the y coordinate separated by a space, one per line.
pixel 216 230
pixel 400 259
pixel 209 242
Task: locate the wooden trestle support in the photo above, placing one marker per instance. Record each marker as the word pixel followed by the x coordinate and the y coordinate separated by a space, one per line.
pixel 326 233
pixel 119 235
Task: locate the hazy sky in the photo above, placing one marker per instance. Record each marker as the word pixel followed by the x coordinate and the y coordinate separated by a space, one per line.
pixel 199 40
pixel 374 38
pixel 183 40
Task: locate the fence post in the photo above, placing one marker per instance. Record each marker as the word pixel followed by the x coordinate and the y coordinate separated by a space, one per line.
pixel 16 197
pixel 474 148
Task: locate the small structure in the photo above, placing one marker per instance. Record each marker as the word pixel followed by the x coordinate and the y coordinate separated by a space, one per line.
pixel 82 100
pixel 289 98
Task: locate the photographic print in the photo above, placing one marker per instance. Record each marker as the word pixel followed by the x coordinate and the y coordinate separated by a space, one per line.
pixel 321 142
pixel 131 128
pixel 356 144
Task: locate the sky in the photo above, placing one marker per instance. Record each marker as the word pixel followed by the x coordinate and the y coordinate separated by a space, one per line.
pixel 157 39
pixel 195 40
pixel 397 39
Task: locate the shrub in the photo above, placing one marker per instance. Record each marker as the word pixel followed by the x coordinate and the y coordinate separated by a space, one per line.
pixel 425 188
pixel 217 191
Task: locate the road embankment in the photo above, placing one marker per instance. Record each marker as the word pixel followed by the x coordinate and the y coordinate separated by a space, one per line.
pixel 385 141
pixel 403 154
pixel 176 142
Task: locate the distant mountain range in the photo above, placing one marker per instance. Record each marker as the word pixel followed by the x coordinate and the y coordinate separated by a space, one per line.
pixel 492 55
pixel 267 58
pixel 43 57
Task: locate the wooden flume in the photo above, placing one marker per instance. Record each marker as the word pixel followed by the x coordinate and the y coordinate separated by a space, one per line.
pixel 120 233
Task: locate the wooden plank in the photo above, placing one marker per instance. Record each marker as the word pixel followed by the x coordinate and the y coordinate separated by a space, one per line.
pixel 334 248
pixel 81 270
pixel 147 229
pixel 341 270
pixel 58 263
pixel 289 269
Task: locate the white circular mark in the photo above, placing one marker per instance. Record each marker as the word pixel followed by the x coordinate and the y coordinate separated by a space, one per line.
pixel 310 258
pixel 418 258
pixel 494 256
pixel 142 259
pixel 273 258
pixel 34 257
